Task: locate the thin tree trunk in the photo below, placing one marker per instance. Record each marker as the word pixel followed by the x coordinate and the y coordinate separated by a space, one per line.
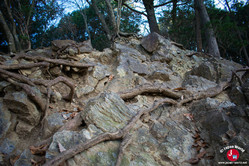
pixel 173 12
pixel 111 14
pixel 119 16
pixel 101 18
pixel 13 27
pixel 239 35
pixel 149 7
pixel 10 38
pixel 83 13
pixel 213 48
pixel 198 29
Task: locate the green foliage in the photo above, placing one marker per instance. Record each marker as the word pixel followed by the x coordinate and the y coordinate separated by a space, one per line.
pixel 226 25
pixel 72 26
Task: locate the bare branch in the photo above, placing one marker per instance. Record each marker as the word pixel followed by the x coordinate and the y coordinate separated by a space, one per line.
pixel 134 10
pixel 163 4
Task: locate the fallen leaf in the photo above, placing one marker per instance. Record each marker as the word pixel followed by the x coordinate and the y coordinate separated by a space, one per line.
pixel 110 77
pixel 73 114
pixel 14 159
pixel 197 135
pixel 189 116
pixel 64 116
pixel 40 150
pixel 201 154
pixel 61 148
pixel 193 161
pixel 179 89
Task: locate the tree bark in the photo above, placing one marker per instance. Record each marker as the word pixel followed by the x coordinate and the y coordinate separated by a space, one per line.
pixel 13 27
pixel 173 12
pixel 10 38
pixel 198 29
pixel 149 7
pixel 101 18
pixel 111 14
pixel 239 35
pixel 213 48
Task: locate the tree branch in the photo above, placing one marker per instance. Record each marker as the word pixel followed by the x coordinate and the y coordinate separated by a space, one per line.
pixel 163 4
pixel 134 10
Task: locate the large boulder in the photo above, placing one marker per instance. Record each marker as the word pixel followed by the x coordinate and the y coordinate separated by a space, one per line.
pixel 4 120
pixel 18 103
pixel 108 112
pixel 59 44
pixel 150 42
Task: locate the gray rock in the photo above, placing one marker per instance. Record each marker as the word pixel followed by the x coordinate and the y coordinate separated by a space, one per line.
pixel 161 75
pixel 159 131
pixel 86 47
pixel 162 55
pixel 23 129
pixel 67 139
pixel 196 84
pixel 245 90
pixel 222 123
pixel 72 51
pixel 7 146
pixel 3 84
pixel 108 112
pixel 129 51
pixel 137 66
pixel 52 123
pixel 19 104
pixel 4 120
pixel 91 81
pixel 150 42
pixel 104 153
pixel 24 159
pixel 55 71
pixel 127 63
pixel 58 44
pixel 205 70
pixel 237 96
pixel 80 91
pixel 100 72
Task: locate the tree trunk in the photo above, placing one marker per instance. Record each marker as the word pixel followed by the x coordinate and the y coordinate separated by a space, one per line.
pixel 13 27
pixel 149 7
pixel 198 29
pixel 102 20
pixel 111 14
pixel 10 38
pixel 213 48
pixel 173 12
pixel 239 35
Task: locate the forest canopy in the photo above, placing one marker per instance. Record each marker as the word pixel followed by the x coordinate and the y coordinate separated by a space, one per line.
pixel 218 28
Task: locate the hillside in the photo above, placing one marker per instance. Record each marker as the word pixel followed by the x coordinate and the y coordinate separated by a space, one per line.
pixel 146 101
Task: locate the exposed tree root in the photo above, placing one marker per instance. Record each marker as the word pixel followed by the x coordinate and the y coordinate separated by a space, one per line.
pixel 126 141
pixel 62 157
pixel 121 134
pixel 234 73
pixel 24 66
pixel 30 92
pixel 150 90
pixel 55 61
pixel 211 92
pixel 18 77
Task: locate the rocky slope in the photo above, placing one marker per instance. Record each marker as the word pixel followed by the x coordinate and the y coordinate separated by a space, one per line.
pixel 197 110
